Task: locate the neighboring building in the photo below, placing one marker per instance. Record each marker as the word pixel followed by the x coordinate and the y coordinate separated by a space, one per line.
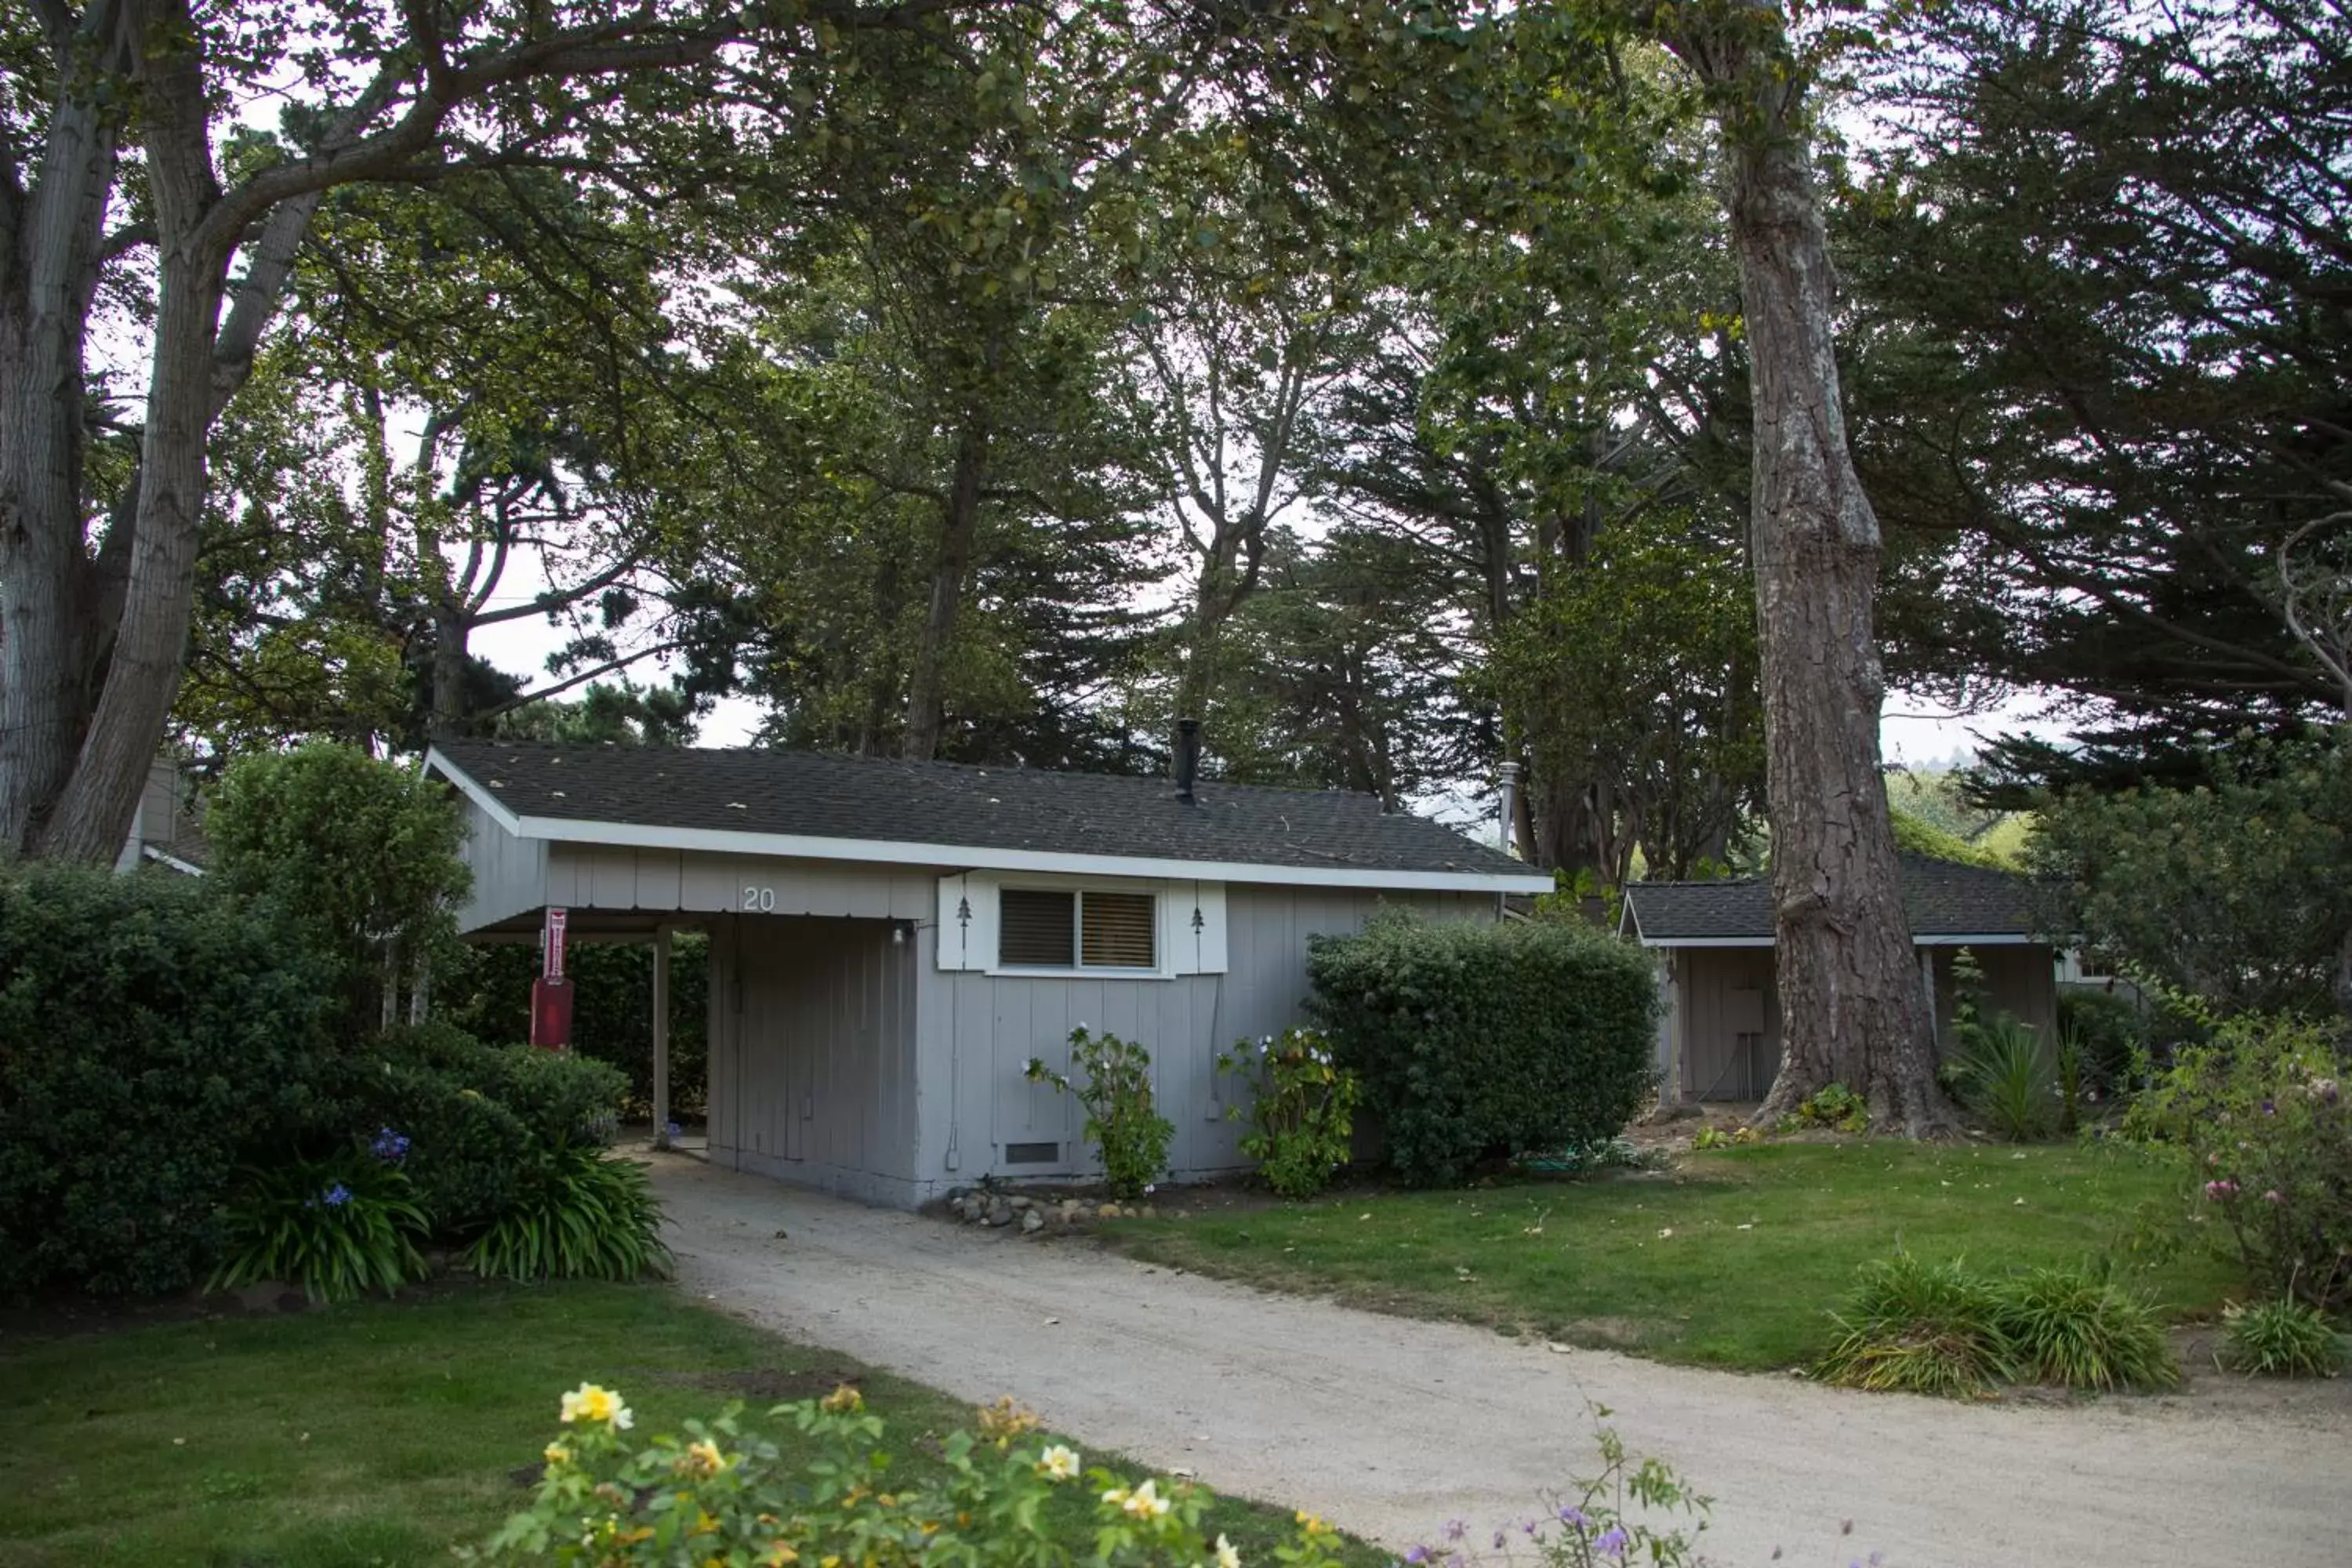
pixel 168 829
pixel 1719 1036
pixel 891 941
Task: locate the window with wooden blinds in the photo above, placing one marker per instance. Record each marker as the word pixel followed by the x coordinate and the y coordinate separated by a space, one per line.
pixel 1037 929
pixel 1116 930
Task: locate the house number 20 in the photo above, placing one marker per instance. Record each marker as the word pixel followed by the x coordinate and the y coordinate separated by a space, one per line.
pixel 758 899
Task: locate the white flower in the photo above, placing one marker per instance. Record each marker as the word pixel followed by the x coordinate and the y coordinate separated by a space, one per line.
pixel 1060 1463
pixel 1228 1556
pixel 1144 1501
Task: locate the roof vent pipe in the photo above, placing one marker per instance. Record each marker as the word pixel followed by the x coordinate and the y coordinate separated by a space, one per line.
pixel 1508 807
pixel 1188 757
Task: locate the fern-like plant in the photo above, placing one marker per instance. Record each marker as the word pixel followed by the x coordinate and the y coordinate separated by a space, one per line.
pixel 1918 1328
pixel 2282 1338
pixel 580 1216
pixel 337 1227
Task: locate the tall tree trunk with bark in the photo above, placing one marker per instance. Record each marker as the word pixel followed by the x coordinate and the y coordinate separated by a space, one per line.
pixel 958 530
pixel 1851 1007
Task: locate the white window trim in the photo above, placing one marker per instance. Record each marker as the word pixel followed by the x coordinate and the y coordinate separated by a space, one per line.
pixel 1178 949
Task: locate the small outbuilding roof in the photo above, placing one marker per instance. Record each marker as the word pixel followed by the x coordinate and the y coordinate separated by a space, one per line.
pixel 1946 904
pixel 759 801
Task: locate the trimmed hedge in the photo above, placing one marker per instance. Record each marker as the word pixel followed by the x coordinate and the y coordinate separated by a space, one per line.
pixel 1478 1042
pixel 156 1033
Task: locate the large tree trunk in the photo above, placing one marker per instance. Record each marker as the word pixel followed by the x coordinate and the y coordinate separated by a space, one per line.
pixel 959 529
pixel 47 276
pixel 1852 1008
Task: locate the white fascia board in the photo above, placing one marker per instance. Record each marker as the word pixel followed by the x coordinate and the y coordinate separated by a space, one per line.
pixel 949 856
pixel 1706 942
pixel 472 790
pixel 163 857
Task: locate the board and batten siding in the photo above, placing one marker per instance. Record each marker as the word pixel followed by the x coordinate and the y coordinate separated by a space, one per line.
pixel 977 1031
pixel 603 876
pixel 811 1053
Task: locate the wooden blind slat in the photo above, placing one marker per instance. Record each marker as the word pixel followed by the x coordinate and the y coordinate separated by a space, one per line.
pixel 1117 930
pixel 1037 928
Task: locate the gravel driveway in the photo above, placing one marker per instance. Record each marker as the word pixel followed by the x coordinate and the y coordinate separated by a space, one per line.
pixel 1390 1426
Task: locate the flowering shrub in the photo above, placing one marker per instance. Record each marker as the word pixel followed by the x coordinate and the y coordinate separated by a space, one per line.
pixel 1609 1522
pixel 725 1494
pixel 337 1228
pixel 2262 1110
pixel 1115 1090
pixel 1303 1116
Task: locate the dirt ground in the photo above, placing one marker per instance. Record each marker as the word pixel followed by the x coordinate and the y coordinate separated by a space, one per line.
pixel 1390 1426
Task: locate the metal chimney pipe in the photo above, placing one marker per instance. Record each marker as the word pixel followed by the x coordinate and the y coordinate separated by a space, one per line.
pixel 1508 807
pixel 1188 757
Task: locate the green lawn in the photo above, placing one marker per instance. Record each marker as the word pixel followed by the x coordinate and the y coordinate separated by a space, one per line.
pixel 1731 1260
pixel 375 1432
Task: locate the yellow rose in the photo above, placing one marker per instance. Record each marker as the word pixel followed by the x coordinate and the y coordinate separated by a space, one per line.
pixel 590 1403
pixel 1058 1463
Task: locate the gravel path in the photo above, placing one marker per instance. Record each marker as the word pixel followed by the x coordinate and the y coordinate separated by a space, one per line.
pixel 1390 1426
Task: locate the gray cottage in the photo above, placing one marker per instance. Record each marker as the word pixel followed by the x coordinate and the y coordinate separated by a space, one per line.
pixel 890 942
pixel 1720 1035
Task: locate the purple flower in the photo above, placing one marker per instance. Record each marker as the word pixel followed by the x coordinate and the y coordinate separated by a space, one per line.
pixel 338 1195
pixel 2269 1109
pixel 1500 1539
pixel 1417 1556
pixel 1614 1540
pixel 2221 1190
pixel 1568 1514
pixel 675 1130
pixel 1528 1526
pixel 389 1146
pixel 1455 1529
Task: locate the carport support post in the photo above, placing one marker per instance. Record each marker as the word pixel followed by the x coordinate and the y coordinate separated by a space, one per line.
pixel 661 1038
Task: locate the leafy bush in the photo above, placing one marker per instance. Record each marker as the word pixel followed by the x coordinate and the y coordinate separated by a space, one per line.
pixel 1936 1328
pixel 488 995
pixel 1486 1041
pixel 579 1217
pixel 1835 1105
pixel 2110 1031
pixel 337 1227
pixel 482 1119
pixel 1120 1121
pixel 363 852
pixel 725 1494
pixel 1919 1327
pixel 2068 1327
pixel 2282 1338
pixel 2238 892
pixel 1302 1120
pixel 2260 1109
pixel 156 1033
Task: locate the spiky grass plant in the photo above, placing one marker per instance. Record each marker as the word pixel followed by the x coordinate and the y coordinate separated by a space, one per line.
pixel 337 1228
pixel 582 1217
pixel 1915 1327
pixel 2009 1077
pixel 2071 1327
pixel 2282 1338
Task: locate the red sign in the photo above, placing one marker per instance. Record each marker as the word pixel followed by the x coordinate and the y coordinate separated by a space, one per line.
pixel 551 946
pixel 550 1013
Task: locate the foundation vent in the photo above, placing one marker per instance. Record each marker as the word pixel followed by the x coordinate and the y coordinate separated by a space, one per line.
pixel 1032 1153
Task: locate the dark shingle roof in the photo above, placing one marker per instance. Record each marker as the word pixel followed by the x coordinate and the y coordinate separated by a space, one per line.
pixel 812 794
pixel 1941 898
